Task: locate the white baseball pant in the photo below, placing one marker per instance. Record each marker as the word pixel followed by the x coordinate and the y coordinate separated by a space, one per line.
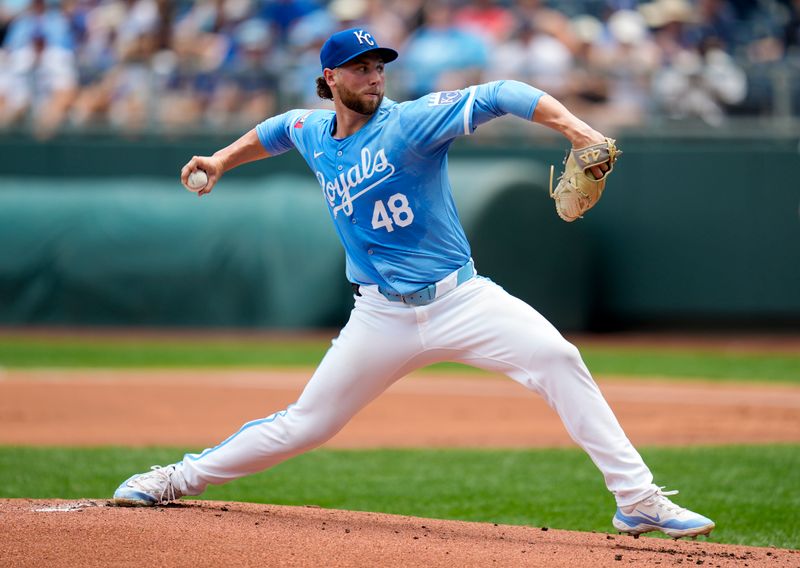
pixel 479 324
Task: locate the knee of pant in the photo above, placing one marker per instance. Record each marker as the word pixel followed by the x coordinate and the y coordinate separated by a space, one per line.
pixel 562 354
pixel 311 432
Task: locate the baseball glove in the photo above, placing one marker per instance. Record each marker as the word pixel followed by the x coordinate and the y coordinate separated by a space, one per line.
pixel 577 190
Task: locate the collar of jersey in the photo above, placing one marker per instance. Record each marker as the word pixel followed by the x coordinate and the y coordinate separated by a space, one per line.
pixel 384 106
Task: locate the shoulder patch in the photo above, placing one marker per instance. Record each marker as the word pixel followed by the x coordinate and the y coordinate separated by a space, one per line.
pixel 444 98
pixel 301 121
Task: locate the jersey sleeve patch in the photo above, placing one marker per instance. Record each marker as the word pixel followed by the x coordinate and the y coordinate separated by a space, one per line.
pixel 444 98
pixel 276 133
pixel 302 120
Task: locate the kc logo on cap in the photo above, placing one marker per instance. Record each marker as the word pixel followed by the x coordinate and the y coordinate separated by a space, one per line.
pixel 346 45
pixel 364 37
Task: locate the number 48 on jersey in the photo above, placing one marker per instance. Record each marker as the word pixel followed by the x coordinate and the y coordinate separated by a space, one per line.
pixel 399 213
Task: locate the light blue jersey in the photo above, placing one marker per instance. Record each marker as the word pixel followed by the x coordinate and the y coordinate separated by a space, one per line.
pixel 387 187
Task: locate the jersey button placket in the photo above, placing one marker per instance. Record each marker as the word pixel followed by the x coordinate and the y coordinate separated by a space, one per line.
pixel 339 153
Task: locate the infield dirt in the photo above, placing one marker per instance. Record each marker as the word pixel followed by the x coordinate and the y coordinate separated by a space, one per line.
pixel 200 408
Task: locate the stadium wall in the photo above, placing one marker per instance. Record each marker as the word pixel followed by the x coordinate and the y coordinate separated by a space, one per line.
pixel 692 232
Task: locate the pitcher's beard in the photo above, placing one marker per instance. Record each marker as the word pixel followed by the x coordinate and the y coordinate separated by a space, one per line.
pixel 355 103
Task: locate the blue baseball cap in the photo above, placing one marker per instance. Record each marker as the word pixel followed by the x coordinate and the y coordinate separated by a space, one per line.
pixel 346 45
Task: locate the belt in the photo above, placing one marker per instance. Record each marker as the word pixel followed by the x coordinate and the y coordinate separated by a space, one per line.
pixel 430 292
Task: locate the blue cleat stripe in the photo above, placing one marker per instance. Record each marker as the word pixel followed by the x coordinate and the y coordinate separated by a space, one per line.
pixel 634 521
pixel 133 495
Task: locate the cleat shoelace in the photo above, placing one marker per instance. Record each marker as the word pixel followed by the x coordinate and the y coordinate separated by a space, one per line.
pixel 661 500
pixel 159 478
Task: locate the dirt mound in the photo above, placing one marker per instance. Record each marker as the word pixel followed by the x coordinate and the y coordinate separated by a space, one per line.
pixel 204 533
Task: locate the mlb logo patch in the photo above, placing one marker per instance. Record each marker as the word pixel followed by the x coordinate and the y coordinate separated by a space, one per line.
pixel 299 123
pixel 444 98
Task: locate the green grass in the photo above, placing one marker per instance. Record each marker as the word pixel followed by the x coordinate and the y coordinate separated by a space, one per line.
pixel 16 352
pixel 158 353
pixel 686 363
pixel 752 492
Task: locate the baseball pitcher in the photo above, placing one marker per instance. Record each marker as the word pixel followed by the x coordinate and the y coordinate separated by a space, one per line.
pixel 382 170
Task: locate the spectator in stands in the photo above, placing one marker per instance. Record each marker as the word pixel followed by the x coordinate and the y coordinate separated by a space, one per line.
pixel 283 14
pixel 589 84
pixel 39 82
pixel 534 57
pixel 441 56
pixel 202 47
pixel 141 19
pixel 384 19
pixel 627 57
pixel 244 92
pixel 715 19
pixel 41 21
pixel 488 19
pixel 9 9
pixel 302 62
pixel 669 21
pixel 546 20
pixel 700 85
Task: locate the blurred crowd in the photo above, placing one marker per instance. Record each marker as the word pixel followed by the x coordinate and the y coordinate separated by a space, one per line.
pixel 152 65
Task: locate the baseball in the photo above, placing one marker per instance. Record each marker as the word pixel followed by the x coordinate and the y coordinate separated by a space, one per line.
pixel 197 180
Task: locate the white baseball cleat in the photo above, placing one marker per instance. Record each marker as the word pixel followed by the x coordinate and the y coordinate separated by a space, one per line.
pixel 658 513
pixel 147 489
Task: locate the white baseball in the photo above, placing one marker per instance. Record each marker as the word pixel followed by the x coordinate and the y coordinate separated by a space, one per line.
pixel 197 180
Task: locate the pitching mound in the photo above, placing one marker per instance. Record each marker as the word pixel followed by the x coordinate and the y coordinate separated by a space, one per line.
pixel 204 533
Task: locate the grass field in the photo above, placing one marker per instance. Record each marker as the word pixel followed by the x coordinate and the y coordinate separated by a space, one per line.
pixel 680 363
pixel 750 491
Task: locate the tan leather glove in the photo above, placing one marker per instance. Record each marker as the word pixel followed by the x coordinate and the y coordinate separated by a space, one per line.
pixel 577 190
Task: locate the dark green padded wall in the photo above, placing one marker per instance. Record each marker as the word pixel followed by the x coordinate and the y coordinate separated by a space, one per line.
pixel 691 231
